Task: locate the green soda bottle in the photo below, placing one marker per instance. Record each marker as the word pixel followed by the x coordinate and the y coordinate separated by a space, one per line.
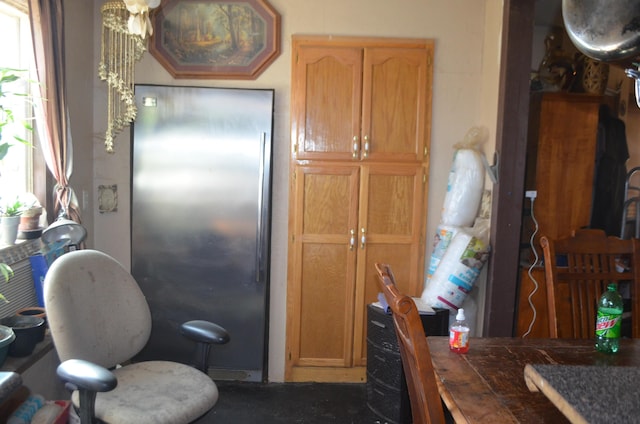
pixel 609 320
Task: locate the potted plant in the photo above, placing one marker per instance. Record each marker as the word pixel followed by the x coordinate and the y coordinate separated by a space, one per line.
pixel 30 218
pixel 10 214
pixel 7 336
pixel 28 330
pixel 29 227
pixel 20 333
pixel 7 214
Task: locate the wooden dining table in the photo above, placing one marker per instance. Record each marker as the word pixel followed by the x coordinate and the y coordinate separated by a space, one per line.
pixel 487 384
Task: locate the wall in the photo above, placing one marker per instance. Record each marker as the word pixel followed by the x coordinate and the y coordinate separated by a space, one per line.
pixel 488 117
pixel 467 38
pixel 80 73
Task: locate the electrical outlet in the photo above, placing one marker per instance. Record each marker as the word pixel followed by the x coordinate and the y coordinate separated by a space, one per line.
pixel 531 194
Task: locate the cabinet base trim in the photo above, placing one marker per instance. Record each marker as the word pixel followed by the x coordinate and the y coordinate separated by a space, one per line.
pixel 328 375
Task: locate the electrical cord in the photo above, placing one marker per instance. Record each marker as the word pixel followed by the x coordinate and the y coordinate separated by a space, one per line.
pixel 535 262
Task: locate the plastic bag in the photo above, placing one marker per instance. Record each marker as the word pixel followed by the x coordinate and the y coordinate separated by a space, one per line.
pixel 459 267
pixel 465 184
pixel 441 241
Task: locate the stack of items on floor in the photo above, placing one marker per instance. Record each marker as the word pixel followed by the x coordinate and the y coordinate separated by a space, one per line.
pixel 461 245
pixel 36 410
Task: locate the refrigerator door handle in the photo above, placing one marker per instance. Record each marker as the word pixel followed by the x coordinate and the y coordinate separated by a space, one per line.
pixel 260 226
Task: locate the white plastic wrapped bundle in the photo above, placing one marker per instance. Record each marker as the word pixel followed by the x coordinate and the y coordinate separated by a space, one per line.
pixel 466 181
pixel 442 239
pixel 458 269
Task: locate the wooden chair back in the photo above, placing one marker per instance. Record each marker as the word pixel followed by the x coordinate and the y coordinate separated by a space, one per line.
pixel 426 405
pixel 578 269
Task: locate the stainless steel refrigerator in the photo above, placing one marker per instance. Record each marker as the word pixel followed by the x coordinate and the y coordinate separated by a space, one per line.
pixel 201 179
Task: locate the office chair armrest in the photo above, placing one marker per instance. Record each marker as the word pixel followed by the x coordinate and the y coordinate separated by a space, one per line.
pixel 88 379
pixel 85 375
pixel 204 333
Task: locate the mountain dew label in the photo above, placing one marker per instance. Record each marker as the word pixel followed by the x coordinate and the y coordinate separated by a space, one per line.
pixel 608 323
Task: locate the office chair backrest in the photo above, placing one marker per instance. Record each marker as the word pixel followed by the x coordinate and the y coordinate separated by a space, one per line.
pixel 426 405
pixel 578 269
pixel 95 309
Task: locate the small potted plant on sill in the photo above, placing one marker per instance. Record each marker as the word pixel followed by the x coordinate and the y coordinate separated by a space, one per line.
pixel 30 218
pixel 29 227
pixel 10 212
pixel 10 220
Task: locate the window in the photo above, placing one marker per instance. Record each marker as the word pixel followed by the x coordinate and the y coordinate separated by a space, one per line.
pixel 18 168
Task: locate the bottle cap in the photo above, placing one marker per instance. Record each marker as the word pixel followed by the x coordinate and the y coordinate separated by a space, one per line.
pixel 460 315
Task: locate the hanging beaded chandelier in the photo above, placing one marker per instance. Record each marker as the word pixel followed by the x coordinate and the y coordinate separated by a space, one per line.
pixel 125 25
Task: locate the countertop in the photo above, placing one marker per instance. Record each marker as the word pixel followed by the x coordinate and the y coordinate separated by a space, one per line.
pixel 589 393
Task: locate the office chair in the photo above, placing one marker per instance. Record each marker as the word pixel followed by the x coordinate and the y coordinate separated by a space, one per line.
pixel 99 319
pixel 577 271
pixel 426 405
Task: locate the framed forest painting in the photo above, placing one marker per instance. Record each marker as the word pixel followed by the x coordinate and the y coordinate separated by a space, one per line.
pixel 230 39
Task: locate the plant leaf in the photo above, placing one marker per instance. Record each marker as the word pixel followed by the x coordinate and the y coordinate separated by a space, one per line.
pixel 4 149
pixel 6 271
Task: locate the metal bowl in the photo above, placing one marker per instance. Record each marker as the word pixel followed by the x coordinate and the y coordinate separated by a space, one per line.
pixel 605 30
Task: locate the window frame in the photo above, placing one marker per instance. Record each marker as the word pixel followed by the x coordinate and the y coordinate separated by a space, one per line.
pixel 38 180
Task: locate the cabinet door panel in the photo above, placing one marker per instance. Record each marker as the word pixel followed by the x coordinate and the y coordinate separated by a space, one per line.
pixel 326 102
pixel 323 192
pixel 325 305
pixel 391 204
pixel 392 212
pixel 396 103
pixel 321 292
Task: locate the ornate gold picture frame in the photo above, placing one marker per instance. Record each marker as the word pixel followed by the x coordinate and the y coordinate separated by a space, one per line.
pixel 211 39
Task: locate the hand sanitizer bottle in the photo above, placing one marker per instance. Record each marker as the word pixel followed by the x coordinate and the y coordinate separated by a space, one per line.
pixel 459 334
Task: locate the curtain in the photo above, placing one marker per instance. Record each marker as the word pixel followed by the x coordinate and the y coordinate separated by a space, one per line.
pixel 47 29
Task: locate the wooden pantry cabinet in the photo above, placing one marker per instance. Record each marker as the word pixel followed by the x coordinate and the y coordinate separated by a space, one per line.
pixel 356 202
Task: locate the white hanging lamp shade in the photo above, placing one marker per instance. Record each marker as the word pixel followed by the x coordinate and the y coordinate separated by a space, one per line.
pixel 64 229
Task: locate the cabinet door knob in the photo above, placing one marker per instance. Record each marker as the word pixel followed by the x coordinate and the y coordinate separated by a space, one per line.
pixel 365 153
pixel 363 238
pixel 352 240
pixel 356 147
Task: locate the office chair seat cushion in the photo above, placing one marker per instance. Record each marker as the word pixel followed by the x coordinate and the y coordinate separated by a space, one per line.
pixel 156 392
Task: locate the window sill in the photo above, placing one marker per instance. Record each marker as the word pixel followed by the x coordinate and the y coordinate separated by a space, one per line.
pixel 20 365
pixel 21 250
